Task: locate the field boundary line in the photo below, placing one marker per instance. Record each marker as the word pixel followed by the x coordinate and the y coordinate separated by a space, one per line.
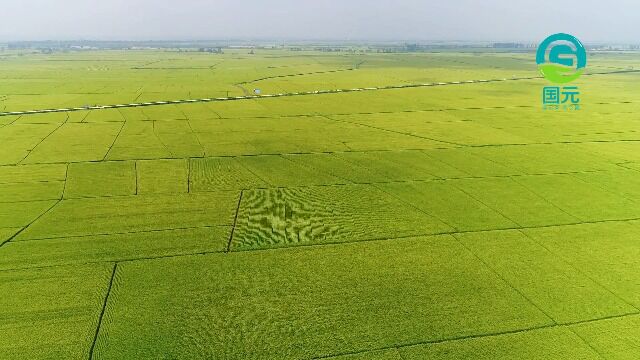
pixel 301 93
pixel 327 153
pixel 195 134
pixel 276 116
pixel 155 134
pixel 235 221
pixel 135 171
pixel 536 193
pixel 11 123
pixel 624 196
pixel 513 178
pixel 415 207
pixel 312 169
pixel 393 131
pixel 42 140
pixel 478 336
pixel 104 308
pixel 600 354
pixel 114 140
pixel 188 175
pixel 246 167
pixel 298 74
pixel 528 189
pixel 479 201
pixel 127 232
pixel 577 269
pixel 299 245
pixel 335 184
pixel 66 179
pixel 505 281
pixel 625 166
pixel 454 232
pixel 254 97
pixel 31 223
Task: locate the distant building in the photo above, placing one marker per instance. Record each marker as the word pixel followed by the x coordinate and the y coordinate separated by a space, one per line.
pixel 212 50
pixel 508 45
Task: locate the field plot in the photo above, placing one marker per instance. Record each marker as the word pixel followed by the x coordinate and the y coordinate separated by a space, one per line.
pixel 454 221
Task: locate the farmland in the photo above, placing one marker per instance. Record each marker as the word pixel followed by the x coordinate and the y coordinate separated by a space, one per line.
pixel 450 221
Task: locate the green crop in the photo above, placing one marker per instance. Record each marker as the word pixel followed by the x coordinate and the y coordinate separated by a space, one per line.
pixel 449 221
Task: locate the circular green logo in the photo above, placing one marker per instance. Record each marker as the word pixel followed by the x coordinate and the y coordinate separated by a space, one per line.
pixel 561 58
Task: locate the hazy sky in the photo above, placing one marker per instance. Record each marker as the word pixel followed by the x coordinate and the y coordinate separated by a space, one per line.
pixel 590 20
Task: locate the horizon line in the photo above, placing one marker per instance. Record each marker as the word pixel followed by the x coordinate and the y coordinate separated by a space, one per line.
pixel 294 41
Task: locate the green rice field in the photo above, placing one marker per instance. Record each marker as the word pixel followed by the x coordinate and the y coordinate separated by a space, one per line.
pixel 453 221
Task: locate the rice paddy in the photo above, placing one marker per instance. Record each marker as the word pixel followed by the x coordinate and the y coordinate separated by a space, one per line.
pixel 457 220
